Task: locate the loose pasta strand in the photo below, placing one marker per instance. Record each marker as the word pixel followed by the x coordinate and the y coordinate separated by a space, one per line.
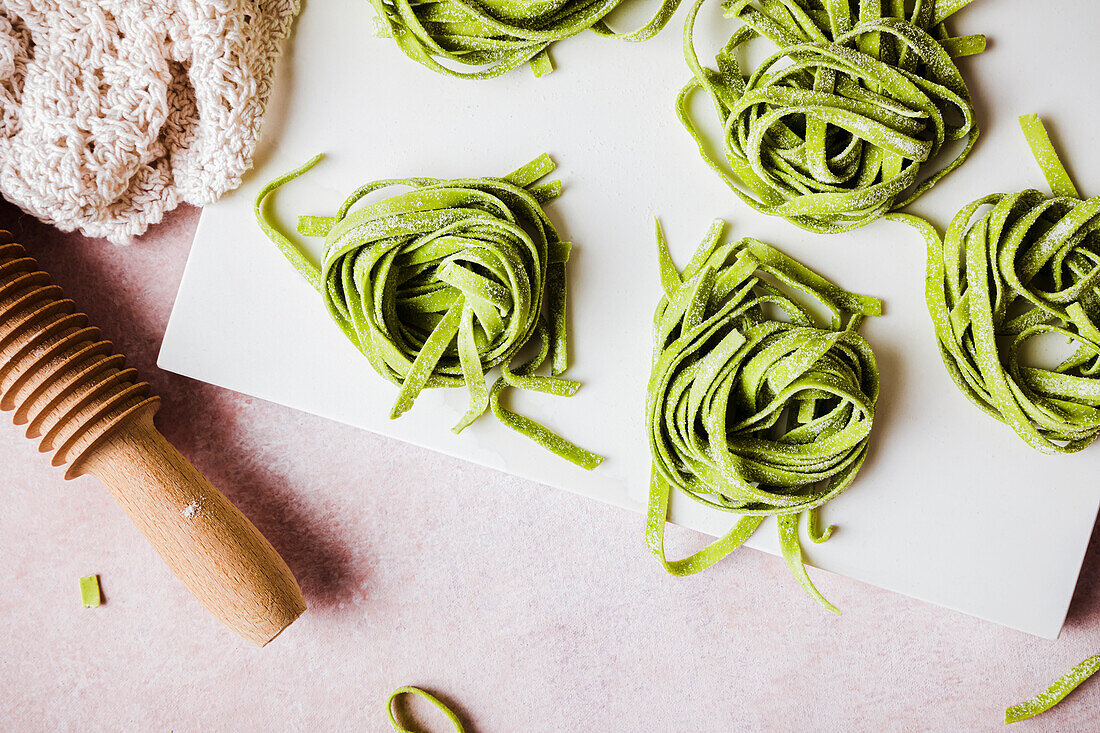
pixel 1053 695
pixel 439 704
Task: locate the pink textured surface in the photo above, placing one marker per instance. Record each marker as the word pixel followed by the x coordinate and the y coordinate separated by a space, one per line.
pixel 528 609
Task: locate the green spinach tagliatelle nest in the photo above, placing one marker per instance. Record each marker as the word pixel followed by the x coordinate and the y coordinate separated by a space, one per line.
pixel 1015 270
pixel 848 119
pixel 445 281
pixel 749 413
pixel 498 35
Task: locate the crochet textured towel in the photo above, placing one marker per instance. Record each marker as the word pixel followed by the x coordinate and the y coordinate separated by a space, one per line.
pixel 113 112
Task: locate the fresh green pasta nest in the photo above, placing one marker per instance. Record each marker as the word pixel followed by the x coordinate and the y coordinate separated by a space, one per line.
pixel 474 252
pixel 443 282
pixel 1041 256
pixel 498 35
pixel 755 406
pixel 1026 268
pixel 849 119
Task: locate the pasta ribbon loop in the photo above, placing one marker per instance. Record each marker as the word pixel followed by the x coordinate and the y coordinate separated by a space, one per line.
pixel 439 705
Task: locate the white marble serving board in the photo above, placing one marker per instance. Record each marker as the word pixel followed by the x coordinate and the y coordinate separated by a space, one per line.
pixel 951 507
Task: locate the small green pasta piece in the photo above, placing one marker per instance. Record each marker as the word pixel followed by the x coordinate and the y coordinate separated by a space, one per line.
pixel 1047 699
pixel 439 284
pixel 1027 267
pixel 752 415
pixel 90 594
pixel 846 120
pixel 408 690
pixel 499 35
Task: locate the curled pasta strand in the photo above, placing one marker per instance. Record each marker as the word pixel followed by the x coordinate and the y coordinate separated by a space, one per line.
pixel 443 282
pixel 1011 270
pixel 439 704
pixel 755 406
pixel 847 119
pixel 499 35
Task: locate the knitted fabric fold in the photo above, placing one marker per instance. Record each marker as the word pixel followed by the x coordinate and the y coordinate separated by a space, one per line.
pixel 113 112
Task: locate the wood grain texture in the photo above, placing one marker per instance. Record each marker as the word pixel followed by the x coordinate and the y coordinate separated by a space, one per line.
pixel 75 396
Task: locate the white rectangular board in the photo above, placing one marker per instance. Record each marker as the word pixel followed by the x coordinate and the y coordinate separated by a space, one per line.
pixel 951 506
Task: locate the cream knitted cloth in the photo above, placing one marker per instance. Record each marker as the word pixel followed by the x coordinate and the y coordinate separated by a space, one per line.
pixel 112 112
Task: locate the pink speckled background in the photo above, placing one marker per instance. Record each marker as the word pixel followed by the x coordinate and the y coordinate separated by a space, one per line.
pixel 528 609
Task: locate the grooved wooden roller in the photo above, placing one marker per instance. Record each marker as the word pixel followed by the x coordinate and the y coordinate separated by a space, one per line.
pixel 75 395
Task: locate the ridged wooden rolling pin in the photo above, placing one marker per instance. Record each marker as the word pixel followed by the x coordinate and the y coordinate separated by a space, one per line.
pixel 74 392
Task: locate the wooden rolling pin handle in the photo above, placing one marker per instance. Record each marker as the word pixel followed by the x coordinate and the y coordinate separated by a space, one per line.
pixel 73 392
pixel 218 554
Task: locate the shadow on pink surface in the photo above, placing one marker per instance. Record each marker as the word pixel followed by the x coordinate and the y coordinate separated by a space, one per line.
pixel 197 418
pixel 1084 609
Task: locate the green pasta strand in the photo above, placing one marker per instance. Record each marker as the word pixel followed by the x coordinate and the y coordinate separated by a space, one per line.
pixel 752 415
pixel 1012 269
pixel 445 281
pixel 1047 699
pixel 499 35
pixel 439 704
pixel 860 110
